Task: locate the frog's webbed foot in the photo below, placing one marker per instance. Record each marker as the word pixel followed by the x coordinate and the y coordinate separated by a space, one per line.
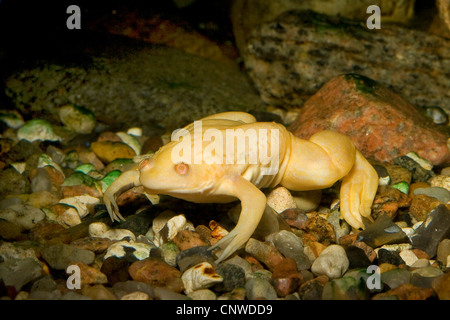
pixel 125 181
pixel 358 190
pixel 253 203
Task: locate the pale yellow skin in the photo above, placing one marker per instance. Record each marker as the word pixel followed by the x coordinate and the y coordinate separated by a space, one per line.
pixel 311 164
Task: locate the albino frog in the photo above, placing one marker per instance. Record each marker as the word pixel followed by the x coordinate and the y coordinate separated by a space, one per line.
pixel 203 164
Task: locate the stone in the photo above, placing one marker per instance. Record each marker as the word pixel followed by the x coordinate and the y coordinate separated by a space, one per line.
pixel 236 294
pixel 202 294
pixel 389 256
pixel 419 174
pixel 357 258
pixel 295 218
pixel 441 285
pixel 91 275
pixel 98 292
pixel 290 246
pixel 409 257
pixel 193 256
pixel 280 199
pixel 259 289
pixel 395 277
pixel 12 183
pixel 264 252
pixel 184 85
pixel 249 14
pixel 115 269
pixel 37 129
pixel 78 119
pixel 422 205
pixel 423 277
pixel 23 215
pixel 41 181
pixel 406 292
pixel 346 288
pixel 84 204
pixel 10 230
pixel 443 251
pixel 233 277
pixel 320 228
pixel 286 278
pixel 18 272
pixel 312 289
pixel 441 181
pixel 398 174
pixel 186 239
pixel 242 264
pixel 332 262
pixel 169 253
pixel 130 250
pixel 200 276
pixel 60 256
pixel 137 295
pixel 382 231
pixel 96 245
pixel 432 231
pixel 108 151
pixel 157 273
pixel 376 112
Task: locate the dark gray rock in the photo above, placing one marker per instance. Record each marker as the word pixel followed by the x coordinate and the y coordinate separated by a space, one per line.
pixel 19 272
pixel 233 277
pixel 389 256
pixel 292 56
pixel 433 230
pixel 133 83
pixel 382 231
pixel 60 256
pixel 419 174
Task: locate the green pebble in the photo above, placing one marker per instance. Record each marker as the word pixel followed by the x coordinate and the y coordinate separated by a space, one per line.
pixel 85 168
pixel 402 186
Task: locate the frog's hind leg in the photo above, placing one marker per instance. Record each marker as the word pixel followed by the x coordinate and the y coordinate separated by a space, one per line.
pixel 253 203
pixel 358 190
pixel 125 181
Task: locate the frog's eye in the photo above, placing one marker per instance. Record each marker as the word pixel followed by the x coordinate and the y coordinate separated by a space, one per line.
pixel 182 168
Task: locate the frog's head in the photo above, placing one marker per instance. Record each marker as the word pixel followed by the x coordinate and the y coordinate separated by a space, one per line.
pixel 162 174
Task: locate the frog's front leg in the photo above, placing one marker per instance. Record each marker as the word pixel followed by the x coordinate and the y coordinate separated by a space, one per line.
pixel 253 203
pixel 125 181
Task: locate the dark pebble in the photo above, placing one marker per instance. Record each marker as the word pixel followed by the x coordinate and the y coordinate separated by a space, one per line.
pixel 116 270
pixel 357 258
pixel 391 257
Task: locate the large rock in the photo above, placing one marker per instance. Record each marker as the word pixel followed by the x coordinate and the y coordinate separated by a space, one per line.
pixel 248 14
pixel 132 83
pixel 291 57
pixel 381 124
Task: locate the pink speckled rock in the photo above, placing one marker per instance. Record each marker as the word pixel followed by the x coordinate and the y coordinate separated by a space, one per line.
pixel 382 125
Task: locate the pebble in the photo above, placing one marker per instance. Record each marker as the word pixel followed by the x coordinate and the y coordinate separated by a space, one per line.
pixel 12 118
pixel 320 228
pixel 108 151
pixel 91 275
pixel 258 288
pixel 443 251
pixel 432 231
pixel 290 246
pixel 101 230
pixel 439 193
pixel 84 204
pixel 286 278
pixel 419 173
pixel 200 276
pixel 382 231
pixel 307 200
pixel 193 256
pixel 115 269
pixel 186 239
pixel 346 288
pixel 405 292
pixel 241 263
pixel 332 262
pixel 23 215
pixel 41 181
pixel 131 141
pixel 423 277
pixel 409 257
pixel 37 129
pixel 169 253
pixel 129 249
pixel 98 292
pixel 442 181
pixel 389 256
pixel 18 272
pixel 264 252
pixel 436 114
pixel 60 256
pixel 157 273
pixel 233 277
pixel 295 218
pixel 395 277
pixel 357 257
pixel 441 286
pixel 280 199
pixel 137 295
pixel 202 294
pixel 313 289
pixel 77 119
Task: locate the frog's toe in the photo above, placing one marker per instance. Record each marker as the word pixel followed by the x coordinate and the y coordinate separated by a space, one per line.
pixel 112 207
pixel 230 243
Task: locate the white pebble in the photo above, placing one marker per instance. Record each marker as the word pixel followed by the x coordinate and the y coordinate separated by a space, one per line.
pixel 202 294
pixel 84 204
pixel 69 218
pixel 97 229
pixel 141 250
pixel 137 295
pixel 281 199
pixel 332 262
pixel 200 276
pixel 409 257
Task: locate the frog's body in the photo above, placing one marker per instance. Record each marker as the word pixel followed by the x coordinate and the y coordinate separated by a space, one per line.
pixel 299 165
